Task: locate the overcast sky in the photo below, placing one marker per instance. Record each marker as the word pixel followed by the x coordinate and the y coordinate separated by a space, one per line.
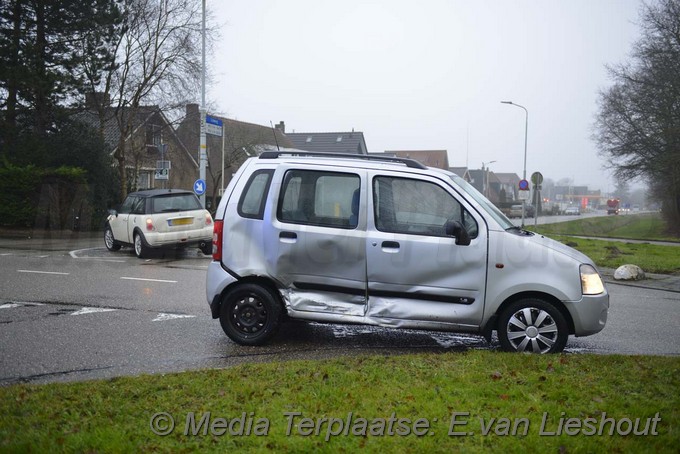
pixel 427 74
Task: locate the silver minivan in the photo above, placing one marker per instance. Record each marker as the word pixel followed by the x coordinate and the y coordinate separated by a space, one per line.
pixel 389 242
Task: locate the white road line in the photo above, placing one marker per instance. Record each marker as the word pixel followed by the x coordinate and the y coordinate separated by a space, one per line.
pixel 163 317
pixel 148 280
pixel 19 304
pixel 7 253
pixel 43 272
pixel 92 310
pixel 43 256
pixel 74 254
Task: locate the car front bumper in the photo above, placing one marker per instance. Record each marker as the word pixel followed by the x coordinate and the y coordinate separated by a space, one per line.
pixel 589 314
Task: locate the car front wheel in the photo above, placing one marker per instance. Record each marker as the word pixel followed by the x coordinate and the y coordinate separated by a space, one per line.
pixel 250 314
pixel 534 326
pixel 109 241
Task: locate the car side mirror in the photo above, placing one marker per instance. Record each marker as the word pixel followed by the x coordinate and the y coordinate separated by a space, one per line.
pixel 456 230
pixel 113 213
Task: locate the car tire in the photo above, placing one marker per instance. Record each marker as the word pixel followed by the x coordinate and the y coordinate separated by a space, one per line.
pixel 250 314
pixel 532 325
pixel 141 249
pixel 110 243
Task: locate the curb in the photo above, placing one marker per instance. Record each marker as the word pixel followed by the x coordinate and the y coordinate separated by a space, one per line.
pixel 665 282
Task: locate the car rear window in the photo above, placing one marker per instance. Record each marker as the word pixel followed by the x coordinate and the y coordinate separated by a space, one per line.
pixel 174 202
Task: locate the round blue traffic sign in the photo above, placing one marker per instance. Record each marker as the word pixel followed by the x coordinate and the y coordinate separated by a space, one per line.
pixel 199 187
pixel 523 185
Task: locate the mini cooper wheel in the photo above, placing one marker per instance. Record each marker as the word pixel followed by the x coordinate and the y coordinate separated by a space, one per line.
pixel 250 314
pixel 110 243
pixel 533 326
pixel 141 249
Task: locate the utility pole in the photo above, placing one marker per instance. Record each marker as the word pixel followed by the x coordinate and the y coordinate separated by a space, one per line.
pixel 202 151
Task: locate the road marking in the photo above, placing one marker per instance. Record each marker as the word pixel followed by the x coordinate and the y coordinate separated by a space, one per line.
pixel 92 310
pixel 148 280
pixel 43 272
pixel 163 317
pixel 74 254
pixel 11 304
pixel 7 253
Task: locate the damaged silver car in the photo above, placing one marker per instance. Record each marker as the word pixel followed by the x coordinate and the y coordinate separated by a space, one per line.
pixel 389 242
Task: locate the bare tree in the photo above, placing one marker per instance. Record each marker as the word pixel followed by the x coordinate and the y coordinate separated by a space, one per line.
pixel 156 63
pixel 638 125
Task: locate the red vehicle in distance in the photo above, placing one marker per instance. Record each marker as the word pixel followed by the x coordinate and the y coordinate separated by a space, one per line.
pixel 613 206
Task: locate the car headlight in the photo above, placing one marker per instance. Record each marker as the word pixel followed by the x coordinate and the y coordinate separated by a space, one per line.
pixel 591 282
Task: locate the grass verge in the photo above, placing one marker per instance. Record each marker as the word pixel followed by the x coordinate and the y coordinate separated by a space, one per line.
pixel 631 226
pixel 501 402
pixel 652 258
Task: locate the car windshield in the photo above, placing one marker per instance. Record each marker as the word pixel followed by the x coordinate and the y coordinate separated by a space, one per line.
pixel 489 207
pixel 175 202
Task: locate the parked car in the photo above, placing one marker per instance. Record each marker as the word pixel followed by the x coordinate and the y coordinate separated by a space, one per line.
pixel 516 211
pixel 159 218
pixel 387 241
pixel 572 211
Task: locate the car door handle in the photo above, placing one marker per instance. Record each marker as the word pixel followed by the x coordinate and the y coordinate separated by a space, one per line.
pixel 288 237
pixel 390 246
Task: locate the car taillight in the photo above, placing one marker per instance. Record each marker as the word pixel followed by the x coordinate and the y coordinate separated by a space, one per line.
pixel 208 219
pixel 149 224
pixel 217 240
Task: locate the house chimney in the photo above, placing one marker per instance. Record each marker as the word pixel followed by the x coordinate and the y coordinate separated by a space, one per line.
pixel 281 126
pixel 193 111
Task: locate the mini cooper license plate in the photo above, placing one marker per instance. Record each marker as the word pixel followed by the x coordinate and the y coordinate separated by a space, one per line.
pixel 180 221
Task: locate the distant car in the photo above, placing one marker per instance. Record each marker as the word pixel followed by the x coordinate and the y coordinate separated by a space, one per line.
pixel 515 211
pixel 159 218
pixel 572 211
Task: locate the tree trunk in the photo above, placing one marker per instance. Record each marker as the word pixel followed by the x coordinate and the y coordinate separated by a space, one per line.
pixel 13 81
pixel 40 95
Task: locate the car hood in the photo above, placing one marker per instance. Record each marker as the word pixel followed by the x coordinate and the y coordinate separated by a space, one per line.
pixel 562 248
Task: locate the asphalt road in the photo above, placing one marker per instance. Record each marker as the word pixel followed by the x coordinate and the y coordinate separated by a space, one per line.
pixel 94 314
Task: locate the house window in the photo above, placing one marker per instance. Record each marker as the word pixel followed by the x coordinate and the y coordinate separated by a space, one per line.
pixel 339 139
pixel 153 135
pixel 309 139
pixel 144 180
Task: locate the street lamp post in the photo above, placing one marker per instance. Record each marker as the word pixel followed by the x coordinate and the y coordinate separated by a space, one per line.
pixel 202 147
pixel 526 129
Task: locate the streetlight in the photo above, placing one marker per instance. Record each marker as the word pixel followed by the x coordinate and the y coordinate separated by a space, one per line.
pixel 486 174
pixel 526 129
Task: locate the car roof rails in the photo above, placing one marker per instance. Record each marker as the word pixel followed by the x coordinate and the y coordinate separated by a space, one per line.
pixel 407 161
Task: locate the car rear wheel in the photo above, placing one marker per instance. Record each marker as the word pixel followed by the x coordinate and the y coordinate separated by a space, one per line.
pixel 109 241
pixel 250 314
pixel 534 326
pixel 141 249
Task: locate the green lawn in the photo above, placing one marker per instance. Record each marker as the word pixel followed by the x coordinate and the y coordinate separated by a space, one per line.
pixel 651 258
pixel 629 226
pixel 498 401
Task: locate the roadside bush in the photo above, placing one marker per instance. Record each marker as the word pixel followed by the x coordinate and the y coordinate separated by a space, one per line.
pixel 44 198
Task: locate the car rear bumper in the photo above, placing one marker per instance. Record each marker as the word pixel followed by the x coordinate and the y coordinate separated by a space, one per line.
pixel 187 237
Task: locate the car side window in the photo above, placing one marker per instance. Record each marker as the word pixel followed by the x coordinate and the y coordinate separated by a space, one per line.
pixel 138 206
pixel 326 199
pixel 126 207
pixel 417 207
pixel 254 196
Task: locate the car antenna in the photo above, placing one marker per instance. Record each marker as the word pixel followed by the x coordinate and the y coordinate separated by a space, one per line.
pixel 274 132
